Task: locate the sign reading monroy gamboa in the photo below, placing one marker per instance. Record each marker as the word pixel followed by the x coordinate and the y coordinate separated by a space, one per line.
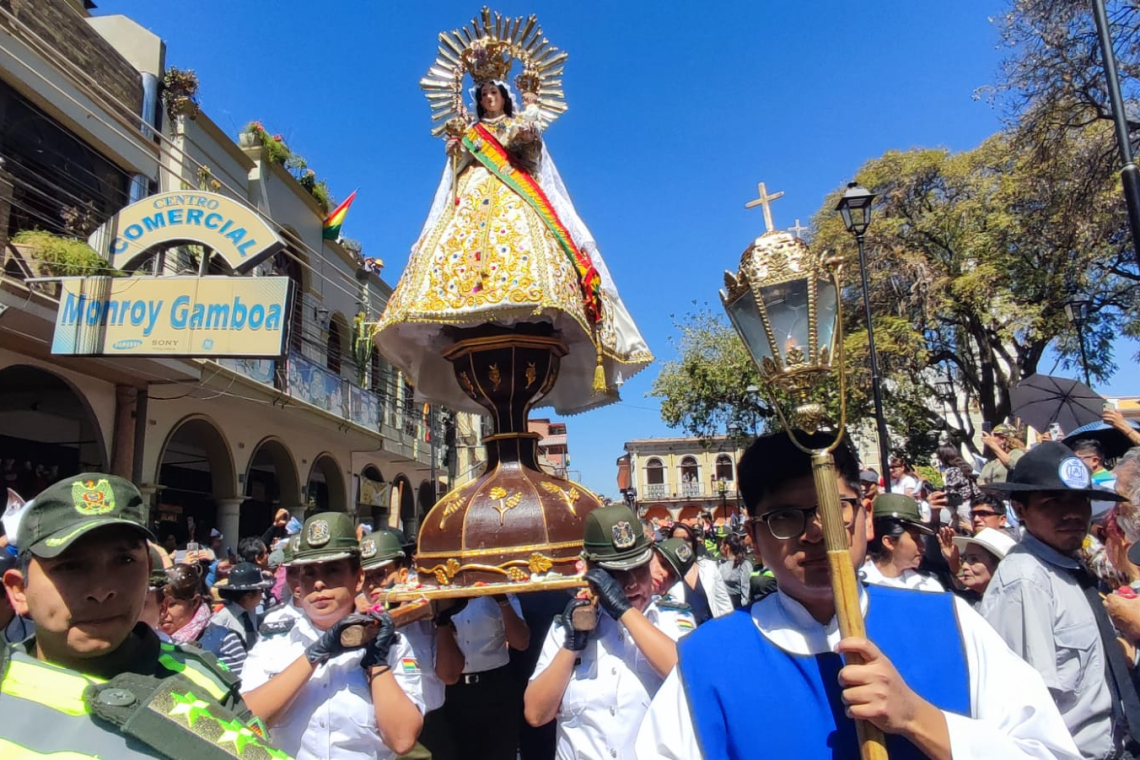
pixel 173 316
pixel 234 231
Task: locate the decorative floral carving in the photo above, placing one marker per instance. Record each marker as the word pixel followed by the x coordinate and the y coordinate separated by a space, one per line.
pixel 497 492
pixel 539 564
pixel 451 504
pixel 517 574
pixel 494 376
pixel 505 504
pixel 467 385
pixel 531 374
pixel 568 496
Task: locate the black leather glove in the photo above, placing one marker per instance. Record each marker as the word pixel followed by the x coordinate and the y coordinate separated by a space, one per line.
pixel 609 592
pixel 329 644
pixel 376 653
pixel 444 618
pixel 575 639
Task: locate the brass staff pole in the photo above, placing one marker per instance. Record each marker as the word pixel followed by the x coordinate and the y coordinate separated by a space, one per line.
pixel 844 585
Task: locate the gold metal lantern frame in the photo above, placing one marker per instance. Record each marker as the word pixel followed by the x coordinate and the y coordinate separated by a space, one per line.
pixel 785 304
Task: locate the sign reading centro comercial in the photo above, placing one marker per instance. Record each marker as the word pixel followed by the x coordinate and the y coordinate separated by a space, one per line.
pixel 233 231
pixel 173 316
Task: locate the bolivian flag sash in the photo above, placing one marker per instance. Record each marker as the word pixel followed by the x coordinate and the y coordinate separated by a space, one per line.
pixel 489 152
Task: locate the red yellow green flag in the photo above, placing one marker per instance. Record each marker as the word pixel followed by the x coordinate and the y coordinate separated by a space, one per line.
pixel 331 230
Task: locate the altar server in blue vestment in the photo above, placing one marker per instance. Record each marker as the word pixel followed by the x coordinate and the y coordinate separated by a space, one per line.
pixel 937 679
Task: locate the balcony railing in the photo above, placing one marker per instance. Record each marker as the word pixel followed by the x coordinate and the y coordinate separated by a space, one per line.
pixel 692 490
pixel 317 386
pixel 656 491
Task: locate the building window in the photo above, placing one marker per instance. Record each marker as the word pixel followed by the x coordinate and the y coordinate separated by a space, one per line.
pixel 724 469
pixel 332 349
pixel 690 471
pixel 654 472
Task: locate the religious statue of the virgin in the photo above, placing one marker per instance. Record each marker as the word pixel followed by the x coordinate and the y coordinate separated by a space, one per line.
pixel 502 244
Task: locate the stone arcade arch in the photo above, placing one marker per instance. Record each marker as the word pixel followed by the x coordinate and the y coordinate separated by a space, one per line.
pixel 196 481
pixel 324 490
pixel 271 483
pixel 48 430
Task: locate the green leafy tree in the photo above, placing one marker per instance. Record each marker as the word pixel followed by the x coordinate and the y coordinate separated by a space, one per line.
pixel 970 258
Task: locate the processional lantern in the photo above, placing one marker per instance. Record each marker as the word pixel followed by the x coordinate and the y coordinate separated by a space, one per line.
pixel 784 303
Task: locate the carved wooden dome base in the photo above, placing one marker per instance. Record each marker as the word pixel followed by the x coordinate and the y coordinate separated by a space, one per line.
pixel 515 523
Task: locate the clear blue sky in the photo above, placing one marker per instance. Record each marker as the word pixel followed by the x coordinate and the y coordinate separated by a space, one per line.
pixel 677 110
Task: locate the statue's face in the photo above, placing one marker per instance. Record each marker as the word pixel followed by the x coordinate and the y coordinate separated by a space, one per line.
pixel 491 99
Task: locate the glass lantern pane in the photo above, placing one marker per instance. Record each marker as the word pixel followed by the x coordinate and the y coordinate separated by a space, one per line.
pixel 787 305
pixel 745 317
pixel 827 314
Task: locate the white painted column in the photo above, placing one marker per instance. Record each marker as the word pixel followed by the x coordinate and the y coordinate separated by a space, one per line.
pixel 229 512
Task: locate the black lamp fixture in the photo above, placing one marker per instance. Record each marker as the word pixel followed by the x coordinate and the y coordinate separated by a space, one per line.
pixel 855 207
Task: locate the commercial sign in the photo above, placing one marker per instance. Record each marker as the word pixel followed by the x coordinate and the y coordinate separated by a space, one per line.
pixel 173 316
pixel 232 230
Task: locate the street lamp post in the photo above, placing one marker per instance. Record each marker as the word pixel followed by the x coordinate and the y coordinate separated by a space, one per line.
pixel 1077 312
pixel 855 207
pixel 1129 172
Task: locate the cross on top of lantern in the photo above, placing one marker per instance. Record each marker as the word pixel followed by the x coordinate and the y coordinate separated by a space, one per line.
pixel 784 303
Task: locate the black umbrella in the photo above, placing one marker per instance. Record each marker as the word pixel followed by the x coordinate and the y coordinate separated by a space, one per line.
pixel 1041 400
pixel 1114 442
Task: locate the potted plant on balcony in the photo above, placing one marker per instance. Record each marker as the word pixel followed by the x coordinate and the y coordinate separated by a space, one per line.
pixel 49 255
pixel 180 94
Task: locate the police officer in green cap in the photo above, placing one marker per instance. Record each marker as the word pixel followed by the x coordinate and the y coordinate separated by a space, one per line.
pixel 338 684
pixel 598 681
pixel 93 681
pixel 896 549
pixel 386 564
pixel 281 618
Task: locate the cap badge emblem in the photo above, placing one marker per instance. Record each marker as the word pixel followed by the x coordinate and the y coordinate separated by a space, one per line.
pixel 93 498
pixel 623 535
pixel 319 533
pixel 295 543
pixel 684 552
pixel 368 548
pixel 1074 473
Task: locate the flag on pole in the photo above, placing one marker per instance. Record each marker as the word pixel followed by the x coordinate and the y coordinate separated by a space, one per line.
pixel 427 423
pixel 331 230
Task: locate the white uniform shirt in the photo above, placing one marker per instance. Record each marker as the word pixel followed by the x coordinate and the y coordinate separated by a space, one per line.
pixel 332 716
pixel 870 573
pixel 482 635
pixel 1012 714
pixel 421 637
pixel 612 685
pixel 716 590
pixel 283 612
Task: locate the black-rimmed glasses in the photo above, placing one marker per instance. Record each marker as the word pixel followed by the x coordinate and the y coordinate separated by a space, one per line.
pixel 791 522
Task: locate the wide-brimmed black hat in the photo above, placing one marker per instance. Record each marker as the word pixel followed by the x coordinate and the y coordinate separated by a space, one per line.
pixel 245 576
pixel 1052 466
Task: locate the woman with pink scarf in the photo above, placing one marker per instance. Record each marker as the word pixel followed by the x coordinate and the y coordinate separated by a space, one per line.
pixel 185 617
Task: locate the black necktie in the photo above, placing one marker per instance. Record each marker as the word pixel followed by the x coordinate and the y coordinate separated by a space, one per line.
pixel 250 629
pixel 1125 702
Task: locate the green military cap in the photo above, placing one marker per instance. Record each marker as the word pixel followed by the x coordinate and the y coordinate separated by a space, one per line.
pixel 899 507
pixel 614 538
pixel 73 507
pixel 326 536
pixel 1004 429
pixel 290 551
pixel 379 548
pixel 679 555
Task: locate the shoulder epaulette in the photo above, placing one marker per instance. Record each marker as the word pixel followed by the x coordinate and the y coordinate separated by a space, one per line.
pixel 173 716
pixel 668 603
pixel 269 630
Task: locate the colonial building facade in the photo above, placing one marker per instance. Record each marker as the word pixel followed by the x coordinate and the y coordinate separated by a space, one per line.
pixel 681 478
pixel 83 133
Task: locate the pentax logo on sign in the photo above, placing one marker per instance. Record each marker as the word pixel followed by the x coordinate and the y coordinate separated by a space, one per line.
pixel 172 316
pixel 232 230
